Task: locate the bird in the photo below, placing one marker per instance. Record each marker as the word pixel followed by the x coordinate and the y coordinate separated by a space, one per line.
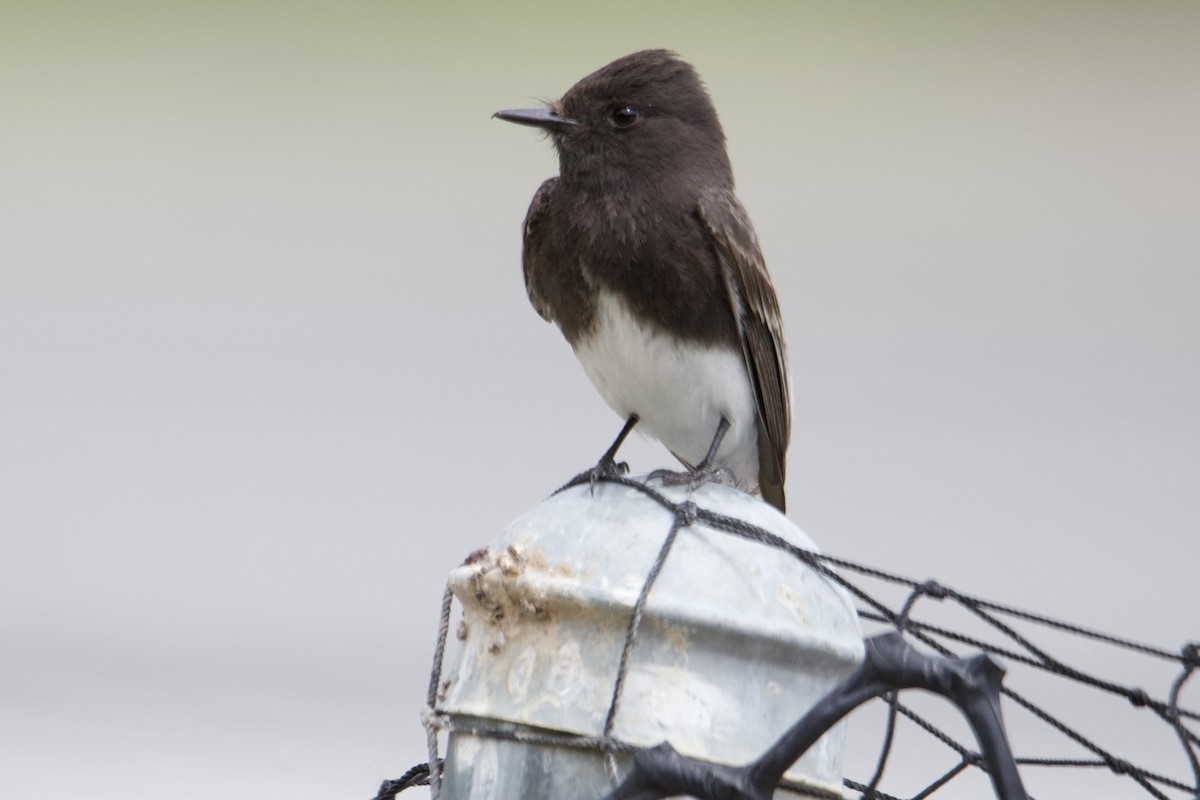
pixel 643 256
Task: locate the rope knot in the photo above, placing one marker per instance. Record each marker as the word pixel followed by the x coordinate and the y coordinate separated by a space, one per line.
pixel 686 513
pixel 932 588
pixel 1118 765
pixel 1139 697
pixel 1191 654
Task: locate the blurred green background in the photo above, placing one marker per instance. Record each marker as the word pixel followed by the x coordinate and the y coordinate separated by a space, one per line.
pixel 268 370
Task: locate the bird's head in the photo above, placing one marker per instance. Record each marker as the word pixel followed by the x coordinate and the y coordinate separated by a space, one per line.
pixel 644 117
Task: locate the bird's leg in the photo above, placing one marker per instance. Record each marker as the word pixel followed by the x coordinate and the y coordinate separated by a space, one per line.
pixel 609 459
pixel 607 466
pixel 706 464
pixel 704 472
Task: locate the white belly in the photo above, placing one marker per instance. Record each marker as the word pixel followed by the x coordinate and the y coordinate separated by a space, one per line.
pixel 679 391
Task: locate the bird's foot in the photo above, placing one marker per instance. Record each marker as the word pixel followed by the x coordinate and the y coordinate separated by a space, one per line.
pixel 607 468
pixel 694 480
pixel 704 472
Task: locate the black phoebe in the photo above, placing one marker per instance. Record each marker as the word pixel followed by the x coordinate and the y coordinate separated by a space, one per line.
pixel 643 256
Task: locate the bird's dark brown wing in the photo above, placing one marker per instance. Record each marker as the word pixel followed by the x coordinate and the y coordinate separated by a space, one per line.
pixel 756 308
pixel 533 258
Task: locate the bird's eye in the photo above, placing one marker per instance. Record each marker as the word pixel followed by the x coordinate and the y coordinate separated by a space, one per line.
pixel 626 117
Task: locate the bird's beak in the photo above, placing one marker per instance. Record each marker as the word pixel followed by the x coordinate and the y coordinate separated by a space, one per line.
pixel 538 117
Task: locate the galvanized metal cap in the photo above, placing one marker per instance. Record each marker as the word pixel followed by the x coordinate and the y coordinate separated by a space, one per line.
pixel 738 640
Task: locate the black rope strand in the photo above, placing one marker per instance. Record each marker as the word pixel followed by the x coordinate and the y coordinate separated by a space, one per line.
pixel 861 788
pixel 1117 765
pixel 435 679
pixel 965 753
pixel 1191 656
pixel 684 516
pixel 942 781
pixel 1137 697
pixel 892 699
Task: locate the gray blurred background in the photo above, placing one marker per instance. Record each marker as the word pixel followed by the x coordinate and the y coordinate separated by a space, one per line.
pixel 267 369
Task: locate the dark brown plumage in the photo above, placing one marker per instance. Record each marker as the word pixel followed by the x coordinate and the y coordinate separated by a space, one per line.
pixel 641 253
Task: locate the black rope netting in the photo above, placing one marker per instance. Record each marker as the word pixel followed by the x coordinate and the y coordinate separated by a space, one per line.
pixel 1014 646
